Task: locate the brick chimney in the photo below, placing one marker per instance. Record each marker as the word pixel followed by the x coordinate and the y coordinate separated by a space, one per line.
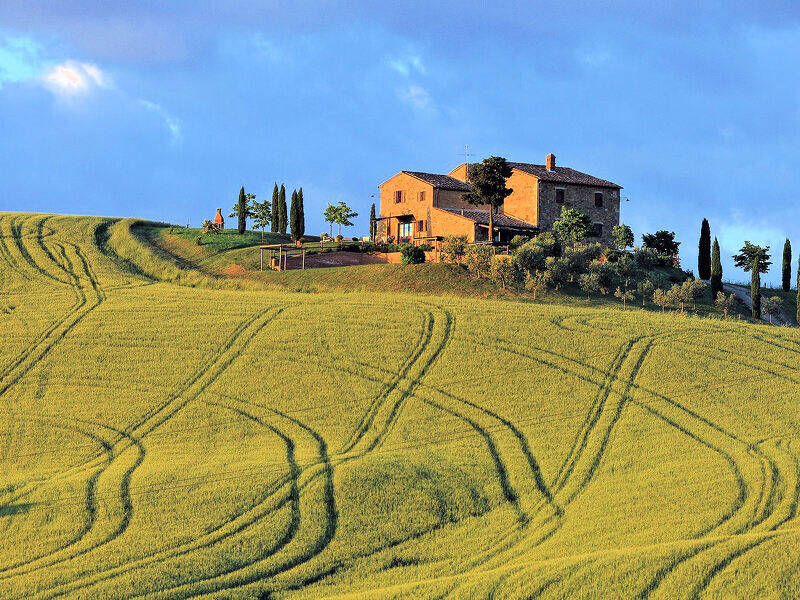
pixel 551 161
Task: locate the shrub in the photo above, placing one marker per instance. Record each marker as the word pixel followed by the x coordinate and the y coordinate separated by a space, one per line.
pixel 517 241
pixel 645 289
pixel 646 258
pixel 725 302
pixel 478 259
pixel 502 270
pixel 556 272
pixel 454 248
pixel 531 255
pixel 530 258
pixel 411 254
pixel 623 295
pixel 613 255
pixel 548 242
pixel 208 226
pixel 662 299
pixel 691 290
pixel 680 295
pixel 355 239
pixel 589 283
pixel 773 306
pixel 199 240
pixel 605 274
pixel 535 282
pixel 625 269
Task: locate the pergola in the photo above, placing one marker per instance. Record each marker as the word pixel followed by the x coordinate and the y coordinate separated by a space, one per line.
pixel 279 255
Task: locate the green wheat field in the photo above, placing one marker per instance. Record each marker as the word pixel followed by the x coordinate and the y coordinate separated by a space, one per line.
pixel 164 435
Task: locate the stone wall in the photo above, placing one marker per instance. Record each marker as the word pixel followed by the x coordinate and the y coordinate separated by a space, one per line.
pixel 579 197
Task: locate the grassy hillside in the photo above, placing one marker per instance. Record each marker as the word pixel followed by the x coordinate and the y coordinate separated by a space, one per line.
pixel 236 260
pixel 167 436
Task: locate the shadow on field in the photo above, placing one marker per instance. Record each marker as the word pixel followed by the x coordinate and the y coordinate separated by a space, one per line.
pixel 15 509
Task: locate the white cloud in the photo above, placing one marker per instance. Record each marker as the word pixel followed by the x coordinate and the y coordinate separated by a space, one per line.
pixel 72 77
pixel 173 124
pixel 415 96
pixel 405 66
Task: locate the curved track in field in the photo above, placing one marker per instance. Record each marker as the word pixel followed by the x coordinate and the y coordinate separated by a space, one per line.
pixel 125 439
pixel 211 369
pixel 766 474
pixel 368 435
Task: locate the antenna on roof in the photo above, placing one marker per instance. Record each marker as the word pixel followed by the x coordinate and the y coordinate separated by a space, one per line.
pixel 467 153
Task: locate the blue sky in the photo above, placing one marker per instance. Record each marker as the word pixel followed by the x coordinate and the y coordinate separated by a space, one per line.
pixel 163 109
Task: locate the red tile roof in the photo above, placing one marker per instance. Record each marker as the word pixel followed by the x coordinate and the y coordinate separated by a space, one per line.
pixel 481 216
pixel 442 182
pixel 562 175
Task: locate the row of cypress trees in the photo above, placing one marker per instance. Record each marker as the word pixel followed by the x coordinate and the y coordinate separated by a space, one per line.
pixel 707 263
pixel 279 222
pixel 709 266
pixel 297 215
pixel 294 218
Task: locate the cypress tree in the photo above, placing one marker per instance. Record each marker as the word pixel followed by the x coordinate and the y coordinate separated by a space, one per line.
pixel 282 216
pixel 798 290
pixel 273 226
pixel 716 270
pixel 787 265
pixel 242 210
pixel 294 217
pixel 755 290
pixel 372 223
pixel 302 212
pixel 704 251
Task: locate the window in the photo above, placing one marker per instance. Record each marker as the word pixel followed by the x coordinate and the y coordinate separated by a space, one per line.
pixel 422 196
pixel 421 226
pixel 406 229
pixel 598 230
pixel 398 197
pixel 598 199
pixel 560 195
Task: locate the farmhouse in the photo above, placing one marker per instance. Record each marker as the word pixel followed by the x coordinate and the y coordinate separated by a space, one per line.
pixel 418 207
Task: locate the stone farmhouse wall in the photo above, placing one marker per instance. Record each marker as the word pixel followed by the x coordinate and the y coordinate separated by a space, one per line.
pixel 582 198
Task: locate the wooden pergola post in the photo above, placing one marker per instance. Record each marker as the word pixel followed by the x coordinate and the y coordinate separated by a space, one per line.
pixel 304 259
pixel 262 258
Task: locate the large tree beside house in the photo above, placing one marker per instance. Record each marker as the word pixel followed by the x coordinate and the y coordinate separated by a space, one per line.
pixel 488 182
pixel 573 226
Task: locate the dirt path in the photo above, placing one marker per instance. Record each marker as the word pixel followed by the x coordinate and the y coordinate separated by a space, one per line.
pixel 742 293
